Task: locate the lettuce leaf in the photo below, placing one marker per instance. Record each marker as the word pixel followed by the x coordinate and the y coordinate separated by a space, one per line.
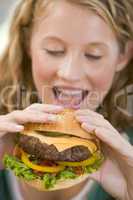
pixel 19 168
pixel 67 174
pixel 49 180
pixel 93 168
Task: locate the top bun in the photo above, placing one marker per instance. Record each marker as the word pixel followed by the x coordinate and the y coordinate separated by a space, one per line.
pixel 66 124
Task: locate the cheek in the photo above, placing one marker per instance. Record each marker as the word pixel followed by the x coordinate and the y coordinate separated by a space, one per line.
pixel 103 82
pixel 102 74
pixel 43 76
pixel 42 69
pixel 102 78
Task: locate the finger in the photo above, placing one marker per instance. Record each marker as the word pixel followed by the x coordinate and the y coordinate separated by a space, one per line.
pixel 98 122
pixel 23 117
pixel 87 112
pixel 48 108
pixel 10 127
pixel 115 141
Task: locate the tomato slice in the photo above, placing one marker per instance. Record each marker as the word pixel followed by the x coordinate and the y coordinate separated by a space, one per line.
pixel 27 162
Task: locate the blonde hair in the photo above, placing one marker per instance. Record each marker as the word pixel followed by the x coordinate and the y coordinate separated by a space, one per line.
pixel 15 65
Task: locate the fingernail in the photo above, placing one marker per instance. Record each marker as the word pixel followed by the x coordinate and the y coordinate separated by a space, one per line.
pixel 90 129
pixel 80 118
pixel 19 128
pixel 58 107
pixel 52 118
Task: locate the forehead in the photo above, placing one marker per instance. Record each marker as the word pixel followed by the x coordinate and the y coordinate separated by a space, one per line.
pixel 71 21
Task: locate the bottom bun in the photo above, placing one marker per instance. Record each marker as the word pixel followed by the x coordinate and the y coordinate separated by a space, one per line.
pixel 38 184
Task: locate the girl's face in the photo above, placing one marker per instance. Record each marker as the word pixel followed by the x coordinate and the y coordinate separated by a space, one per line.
pixel 75 56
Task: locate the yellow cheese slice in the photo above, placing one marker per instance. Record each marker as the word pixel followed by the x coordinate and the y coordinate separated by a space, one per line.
pixel 63 143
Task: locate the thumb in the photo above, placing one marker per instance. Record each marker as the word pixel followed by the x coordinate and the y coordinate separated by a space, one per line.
pixel 96 176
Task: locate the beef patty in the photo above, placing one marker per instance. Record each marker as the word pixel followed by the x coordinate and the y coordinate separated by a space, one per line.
pixel 43 151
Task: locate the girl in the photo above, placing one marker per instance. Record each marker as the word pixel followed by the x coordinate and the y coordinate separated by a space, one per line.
pixel 75 54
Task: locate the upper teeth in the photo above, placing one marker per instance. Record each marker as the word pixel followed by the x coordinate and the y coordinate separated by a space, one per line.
pixel 71 92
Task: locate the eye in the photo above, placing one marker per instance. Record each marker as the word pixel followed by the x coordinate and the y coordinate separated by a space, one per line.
pixel 54 52
pixel 93 57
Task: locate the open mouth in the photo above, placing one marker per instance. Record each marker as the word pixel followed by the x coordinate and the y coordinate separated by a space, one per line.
pixel 69 97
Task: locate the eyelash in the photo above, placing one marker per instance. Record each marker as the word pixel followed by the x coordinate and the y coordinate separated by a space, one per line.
pixel 92 57
pixel 60 53
pixel 54 53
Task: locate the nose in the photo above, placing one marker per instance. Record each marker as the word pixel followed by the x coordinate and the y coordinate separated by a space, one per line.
pixel 71 69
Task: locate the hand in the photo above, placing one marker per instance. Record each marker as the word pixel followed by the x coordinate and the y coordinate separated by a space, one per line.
pixel 116 173
pixel 39 113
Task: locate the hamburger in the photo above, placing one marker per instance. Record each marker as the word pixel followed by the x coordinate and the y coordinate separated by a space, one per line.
pixel 53 156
